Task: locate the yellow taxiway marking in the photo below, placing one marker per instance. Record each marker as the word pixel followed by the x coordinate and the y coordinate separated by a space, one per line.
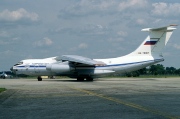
pixel 129 104
pixel 51 95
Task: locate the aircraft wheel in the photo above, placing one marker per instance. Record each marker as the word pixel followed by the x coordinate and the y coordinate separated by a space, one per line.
pixel 89 79
pixel 4 77
pixel 39 78
pixel 80 79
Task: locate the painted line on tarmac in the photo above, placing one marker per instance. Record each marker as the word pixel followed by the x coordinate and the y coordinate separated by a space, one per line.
pixel 129 104
pixel 52 96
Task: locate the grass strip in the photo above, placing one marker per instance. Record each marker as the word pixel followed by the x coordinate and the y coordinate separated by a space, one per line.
pixel 2 89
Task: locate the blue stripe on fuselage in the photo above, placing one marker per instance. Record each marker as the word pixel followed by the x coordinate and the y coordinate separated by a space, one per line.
pixel 32 66
pixel 129 63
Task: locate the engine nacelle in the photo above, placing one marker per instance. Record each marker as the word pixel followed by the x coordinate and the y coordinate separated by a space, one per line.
pixel 60 68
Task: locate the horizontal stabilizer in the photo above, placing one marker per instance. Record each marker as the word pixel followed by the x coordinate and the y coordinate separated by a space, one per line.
pixel 165 28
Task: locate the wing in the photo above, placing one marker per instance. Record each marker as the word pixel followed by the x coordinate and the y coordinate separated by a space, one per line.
pixel 79 60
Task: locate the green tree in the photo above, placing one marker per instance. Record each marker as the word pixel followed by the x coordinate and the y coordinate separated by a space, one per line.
pixel 177 72
pixel 170 70
pixel 157 69
pixel 143 71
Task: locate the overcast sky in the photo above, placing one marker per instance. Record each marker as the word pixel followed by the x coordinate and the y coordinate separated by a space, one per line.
pixel 90 28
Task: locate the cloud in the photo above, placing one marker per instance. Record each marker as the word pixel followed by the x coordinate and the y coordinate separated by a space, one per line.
pixel 4 34
pixel 165 9
pixel 141 21
pixel 84 30
pixel 94 29
pixel 82 46
pixel 157 20
pixel 115 40
pixel 122 33
pixel 176 46
pixel 100 7
pixel 107 11
pixel 132 4
pixel 79 47
pixel 2 42
pixel 48 41
pixel 45 42
pixel 7 53
pixel 17 15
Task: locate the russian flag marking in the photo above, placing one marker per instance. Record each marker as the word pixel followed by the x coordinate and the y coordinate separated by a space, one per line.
pixel 150 42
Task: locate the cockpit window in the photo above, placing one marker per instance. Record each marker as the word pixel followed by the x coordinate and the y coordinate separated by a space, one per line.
pixel 19 63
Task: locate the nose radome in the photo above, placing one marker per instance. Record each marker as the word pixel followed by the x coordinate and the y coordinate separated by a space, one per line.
pixel 11 68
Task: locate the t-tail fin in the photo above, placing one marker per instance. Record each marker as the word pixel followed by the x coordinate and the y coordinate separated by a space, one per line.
pixel 155 41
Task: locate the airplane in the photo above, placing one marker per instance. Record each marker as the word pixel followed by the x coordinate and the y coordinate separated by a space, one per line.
pixel 6 74
pixel 81 68
pixel 3 75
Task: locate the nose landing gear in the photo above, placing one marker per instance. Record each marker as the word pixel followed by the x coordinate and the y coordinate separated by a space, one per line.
pixel 39 78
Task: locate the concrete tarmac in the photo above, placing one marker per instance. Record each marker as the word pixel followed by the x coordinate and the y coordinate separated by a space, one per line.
pixel 105 98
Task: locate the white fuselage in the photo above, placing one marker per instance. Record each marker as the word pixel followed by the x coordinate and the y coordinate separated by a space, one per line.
pixel 38 67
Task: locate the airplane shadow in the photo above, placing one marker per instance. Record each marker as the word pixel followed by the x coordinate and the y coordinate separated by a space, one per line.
pixel 74 80
pixel 68 80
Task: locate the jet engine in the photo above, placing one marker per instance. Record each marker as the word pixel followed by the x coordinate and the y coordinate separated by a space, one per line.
pixel 58 68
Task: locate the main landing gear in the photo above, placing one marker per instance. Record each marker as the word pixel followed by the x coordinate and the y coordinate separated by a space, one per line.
pixel 39 78
pixel 82 78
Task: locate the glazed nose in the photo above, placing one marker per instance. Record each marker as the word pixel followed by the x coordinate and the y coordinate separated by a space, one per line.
pixel 11 68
